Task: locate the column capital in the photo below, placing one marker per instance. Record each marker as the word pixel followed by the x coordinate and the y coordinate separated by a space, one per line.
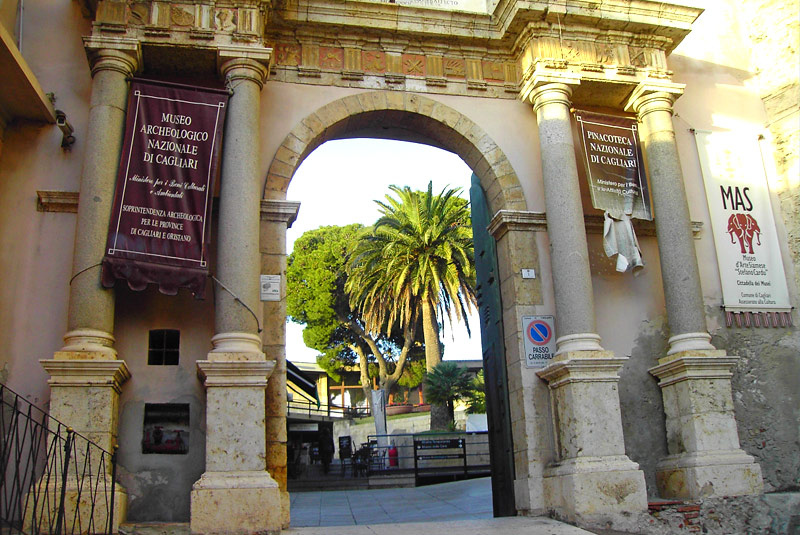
pixel 244 63
pixel 654 95
pixel 120 54
pixel 549 84
pixel 279 211
pixel 510 220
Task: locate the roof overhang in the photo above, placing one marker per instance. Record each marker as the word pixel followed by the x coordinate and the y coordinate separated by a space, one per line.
pixel 21 96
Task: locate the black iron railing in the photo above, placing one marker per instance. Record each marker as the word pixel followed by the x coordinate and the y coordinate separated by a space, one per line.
pixel 311 409
pixel 53 481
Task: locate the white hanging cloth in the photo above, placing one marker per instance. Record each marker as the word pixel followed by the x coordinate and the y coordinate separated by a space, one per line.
pixel 619 239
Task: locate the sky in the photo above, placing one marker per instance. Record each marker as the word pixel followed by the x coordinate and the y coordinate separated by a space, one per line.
pixel 337 185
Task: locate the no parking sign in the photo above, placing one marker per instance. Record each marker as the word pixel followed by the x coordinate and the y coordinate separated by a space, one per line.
pixel 540 340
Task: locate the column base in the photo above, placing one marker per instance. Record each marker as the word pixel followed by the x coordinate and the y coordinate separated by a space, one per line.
pixel 708 474
pixel 236 503
pixel 596 489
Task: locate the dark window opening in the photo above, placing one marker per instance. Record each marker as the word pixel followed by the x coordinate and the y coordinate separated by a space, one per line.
pixel 164 347
pixel 166 428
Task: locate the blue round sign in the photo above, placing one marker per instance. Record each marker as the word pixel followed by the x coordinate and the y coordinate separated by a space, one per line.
pixel 539 332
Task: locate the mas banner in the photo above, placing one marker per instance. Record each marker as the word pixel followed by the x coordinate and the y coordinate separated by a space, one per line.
pixel 612 155
pixel 159 229
pixel 748 250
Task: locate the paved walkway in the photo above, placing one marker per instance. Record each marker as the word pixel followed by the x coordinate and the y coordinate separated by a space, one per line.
pixel 459 508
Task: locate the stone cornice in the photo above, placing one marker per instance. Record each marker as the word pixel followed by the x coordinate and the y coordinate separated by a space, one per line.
pixel 582 366
pixel 279 211
pixel 57 201
pixel 380 44
pixel 705 365
pixel 86 372
pixel 235 373
pixel 506 220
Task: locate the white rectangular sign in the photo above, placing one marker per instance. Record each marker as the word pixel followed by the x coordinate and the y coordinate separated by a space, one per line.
pixel 539 335
pixel 270 287
pixel 748 250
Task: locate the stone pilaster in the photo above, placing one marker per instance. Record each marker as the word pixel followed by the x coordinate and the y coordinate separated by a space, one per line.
pixel 276 217
pixel 236 494
pixel 84 395
pixel 516 239
pixel 591 477
pixel 705 458
pixel 572 283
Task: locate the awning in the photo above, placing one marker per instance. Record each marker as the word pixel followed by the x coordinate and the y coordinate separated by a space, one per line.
pixel 301 381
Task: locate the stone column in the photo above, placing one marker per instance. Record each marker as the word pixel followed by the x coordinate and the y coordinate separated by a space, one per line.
pixel 236 493
pixel 85 375
pixel 569 253
pixel 91 307
pixel 591 477
pixel 276 217
pixel 705 458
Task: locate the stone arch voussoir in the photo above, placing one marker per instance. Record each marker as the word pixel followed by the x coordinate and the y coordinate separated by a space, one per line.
pixel 437 123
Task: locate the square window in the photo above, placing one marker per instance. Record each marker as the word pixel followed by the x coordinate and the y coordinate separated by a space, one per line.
pixel 164 347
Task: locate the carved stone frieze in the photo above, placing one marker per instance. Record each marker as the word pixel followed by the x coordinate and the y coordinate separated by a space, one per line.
pixel 377 44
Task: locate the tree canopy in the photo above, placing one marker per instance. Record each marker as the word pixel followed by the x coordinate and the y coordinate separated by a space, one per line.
pixel 316 276
pixel 417 261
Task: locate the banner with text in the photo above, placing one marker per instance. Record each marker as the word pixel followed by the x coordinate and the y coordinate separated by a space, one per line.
pixel 612 155
pixel 748 249
pixel 160 223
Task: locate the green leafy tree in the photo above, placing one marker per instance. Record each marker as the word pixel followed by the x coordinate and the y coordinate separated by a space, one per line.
pixel 447 383
pixel 417 262
pixel 316 297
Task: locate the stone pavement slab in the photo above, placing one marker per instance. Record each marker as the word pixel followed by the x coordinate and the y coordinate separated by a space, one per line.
pixel 457 508
pixel 518 525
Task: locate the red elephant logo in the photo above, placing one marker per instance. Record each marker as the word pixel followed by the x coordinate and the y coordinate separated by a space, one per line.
pixel 744 227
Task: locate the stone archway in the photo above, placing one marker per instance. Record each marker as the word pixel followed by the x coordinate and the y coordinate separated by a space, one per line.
pixel 421 118
pixel 413 117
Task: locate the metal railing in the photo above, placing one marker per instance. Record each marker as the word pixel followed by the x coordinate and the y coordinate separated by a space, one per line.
pixel 448 453
pixel 54 481
pixel 306 408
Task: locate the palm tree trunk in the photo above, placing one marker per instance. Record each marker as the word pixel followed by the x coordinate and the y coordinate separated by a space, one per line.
pixel 440 418
pixel 430 330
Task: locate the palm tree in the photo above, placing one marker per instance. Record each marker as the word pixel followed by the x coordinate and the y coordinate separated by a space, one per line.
pixel 416 261
pixel 447 383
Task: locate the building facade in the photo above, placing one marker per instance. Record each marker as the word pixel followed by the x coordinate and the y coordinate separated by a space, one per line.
pixel 661 385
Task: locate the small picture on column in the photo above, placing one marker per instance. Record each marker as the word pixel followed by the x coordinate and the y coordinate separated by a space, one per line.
pixel 166 428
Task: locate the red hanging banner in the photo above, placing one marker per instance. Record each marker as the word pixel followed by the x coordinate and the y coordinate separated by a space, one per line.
pixel 160 223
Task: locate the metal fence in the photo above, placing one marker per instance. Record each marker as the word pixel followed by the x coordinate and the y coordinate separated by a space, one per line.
pixel 463 454
pixel 310 409
pixel 54 481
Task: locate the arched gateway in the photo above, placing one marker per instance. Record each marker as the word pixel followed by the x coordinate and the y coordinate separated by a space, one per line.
pixel 646 409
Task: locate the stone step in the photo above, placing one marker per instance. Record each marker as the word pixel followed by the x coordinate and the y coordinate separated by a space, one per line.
pixel 155 528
